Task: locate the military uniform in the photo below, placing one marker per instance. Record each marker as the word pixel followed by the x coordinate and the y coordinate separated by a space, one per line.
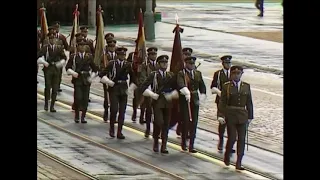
pixel 236 106
pixel 61 36
pixel 145 107
pixel 45 41
pixel 186 52
pixel 118 72
pixel 162 83
pixel 53 57
pixel 80 64
pixel 84 31
pixel 189 83
pixel 107 57
pixel 219 78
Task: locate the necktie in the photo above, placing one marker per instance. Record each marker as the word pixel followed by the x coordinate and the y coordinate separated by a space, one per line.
pixel 228 74
pixel 163 74
pixel 236 85
pixel 191 74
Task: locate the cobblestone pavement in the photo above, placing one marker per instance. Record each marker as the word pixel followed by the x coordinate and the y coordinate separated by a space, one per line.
pixel 51 170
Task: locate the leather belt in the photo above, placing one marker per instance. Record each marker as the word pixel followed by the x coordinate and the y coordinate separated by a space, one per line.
pixel 236 107
pixel 121 81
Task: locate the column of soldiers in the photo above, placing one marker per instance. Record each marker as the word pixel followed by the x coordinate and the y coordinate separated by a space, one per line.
pixel 156 84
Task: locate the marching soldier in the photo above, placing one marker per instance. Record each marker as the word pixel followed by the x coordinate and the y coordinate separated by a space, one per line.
pixel 62 41
pixel 236 106
pixel 61 36
pixel 186 52
pixel 259 6
pixel 146 69
pixel 219 78
pixel 79 66
pixel 108 37
pixel 161 93
pixel 53 58
pixel 45 41
pixel 109 54
pixel 118 71
pixel 84 32
pixel 190 81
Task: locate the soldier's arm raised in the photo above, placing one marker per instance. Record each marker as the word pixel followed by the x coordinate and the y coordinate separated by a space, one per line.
pixel 202 85
pixel 223 100
pixel 249 104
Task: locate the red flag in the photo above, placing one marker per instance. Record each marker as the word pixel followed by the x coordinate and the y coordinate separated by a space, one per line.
pixel 140 52
pixel 176 65
pixel 75 27
pixel 43 22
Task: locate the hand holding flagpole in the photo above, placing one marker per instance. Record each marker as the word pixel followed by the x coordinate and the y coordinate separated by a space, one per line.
pixel 177 19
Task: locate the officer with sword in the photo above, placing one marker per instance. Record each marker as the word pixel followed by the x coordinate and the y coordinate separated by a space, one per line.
pixel 237 109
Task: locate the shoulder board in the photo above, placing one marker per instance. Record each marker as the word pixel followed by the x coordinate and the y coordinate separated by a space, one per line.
pixel 112 61
pixel 226 83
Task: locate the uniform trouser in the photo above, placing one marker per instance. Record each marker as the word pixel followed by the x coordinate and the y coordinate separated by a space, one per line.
pixel 161 124
pixel 232 130
pixel 81 93
pixel 259 5
pixel 148 110
pixel 221 130
pixel 117 103
pixel 51 78
pixel 189 126
pixel 105 102
pixel 60 77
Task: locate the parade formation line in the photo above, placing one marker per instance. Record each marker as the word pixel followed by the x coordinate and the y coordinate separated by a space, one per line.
pixel 201 155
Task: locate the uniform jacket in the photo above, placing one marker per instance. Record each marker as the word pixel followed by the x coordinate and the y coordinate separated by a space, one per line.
pixel 194 84
pixel 236 105
pixel 82 66
pixel 52 56
pixel 219 78
pixel 119 75
pixel 159 85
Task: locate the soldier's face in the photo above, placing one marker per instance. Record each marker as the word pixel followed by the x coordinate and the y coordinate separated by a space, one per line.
pixel 163 65
pixel 184 56
pixel 111 48
pixel 226 65
pixel 121 57
pixel 152 56
pixel 190 65
pixel 85 33
pixel 236 75
pixel 81 48
pixel 51 40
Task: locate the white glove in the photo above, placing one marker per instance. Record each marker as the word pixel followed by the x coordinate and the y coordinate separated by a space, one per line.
pixel 61 63
pixel 203 98
pixel 106 80
pixel 73 73
pixel 155 96
pixel 221 120
pixel 42 61
pixel 215 90
pixel 172 95
pixel 149 93
pixel 188 97
pixel 132 87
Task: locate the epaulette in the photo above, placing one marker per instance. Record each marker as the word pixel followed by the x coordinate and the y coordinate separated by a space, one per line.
pixel 112 61
pixel 226 83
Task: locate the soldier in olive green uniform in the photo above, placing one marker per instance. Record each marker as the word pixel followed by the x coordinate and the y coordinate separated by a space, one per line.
pixel 186 52
pixel 79 66
pixel 219 78
pixel 146 69
pixel 53 58
pixel 84 32
pixel 190 81
pixel 109 54
pixel 161 93
pixel 115 75
pixel 236 106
